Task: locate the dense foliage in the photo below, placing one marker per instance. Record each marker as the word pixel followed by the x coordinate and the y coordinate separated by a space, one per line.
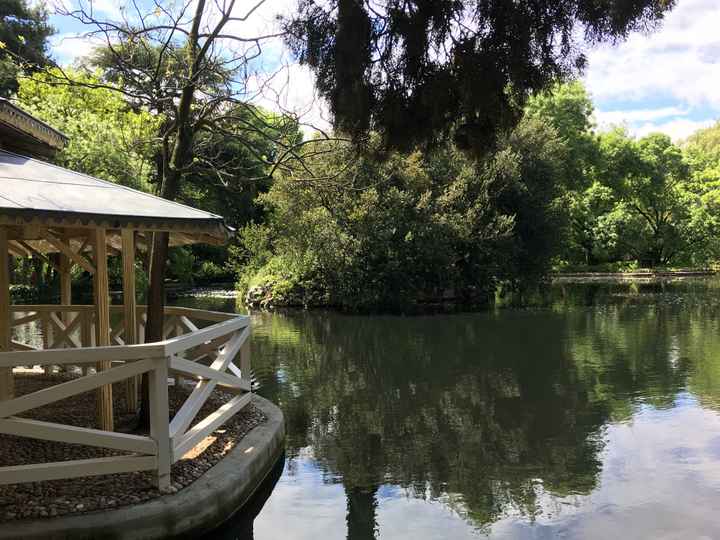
pixel 418 226
pixel 646 201
pixel 367 229
pixel 24 30
pixel 416 71
pixel 107 138
pixel 363 232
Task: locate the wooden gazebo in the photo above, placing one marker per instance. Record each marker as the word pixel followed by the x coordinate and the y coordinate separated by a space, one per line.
pixel 46 209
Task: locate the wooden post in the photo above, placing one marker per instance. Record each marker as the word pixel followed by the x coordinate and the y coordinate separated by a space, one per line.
pixel 245 368
pixel 7 385
pixel 155 323
pixel 160 419
pixel 130 308
pixel 102 307
pixel 47 337
pixel 65 281
pixel 65 287
pixel 86 333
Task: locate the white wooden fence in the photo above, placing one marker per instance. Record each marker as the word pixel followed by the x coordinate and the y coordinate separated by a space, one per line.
pixel 205 355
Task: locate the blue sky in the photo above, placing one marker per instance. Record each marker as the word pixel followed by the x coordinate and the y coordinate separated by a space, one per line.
pixel 666 81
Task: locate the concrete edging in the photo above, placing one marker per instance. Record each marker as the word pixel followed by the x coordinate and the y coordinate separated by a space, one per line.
pixel 205 504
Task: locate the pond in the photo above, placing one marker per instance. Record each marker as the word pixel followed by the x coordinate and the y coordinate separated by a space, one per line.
pixel 597 416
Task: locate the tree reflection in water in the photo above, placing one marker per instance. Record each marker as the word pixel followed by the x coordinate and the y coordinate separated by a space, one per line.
pixel 436 406
pixel 493 413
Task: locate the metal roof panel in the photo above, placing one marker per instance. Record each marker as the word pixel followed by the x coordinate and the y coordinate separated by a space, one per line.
pixel 35 186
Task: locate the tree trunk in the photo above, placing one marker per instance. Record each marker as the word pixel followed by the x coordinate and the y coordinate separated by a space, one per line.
pixel 361 515
pixel 172 170
pixel 155 314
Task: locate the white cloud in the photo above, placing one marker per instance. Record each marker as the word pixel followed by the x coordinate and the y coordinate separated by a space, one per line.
pixel 636 115
pixel 677 128
pixel 69 46
pixel 664 81
pixel 108 8
pixel 640 122
pixel 291 89
pixel 681 61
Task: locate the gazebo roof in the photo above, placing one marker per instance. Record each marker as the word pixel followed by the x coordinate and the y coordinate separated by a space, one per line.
pixel 35 194
pixel 22 132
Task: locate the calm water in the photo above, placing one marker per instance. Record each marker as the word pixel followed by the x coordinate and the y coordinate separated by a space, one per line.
pixel 596 417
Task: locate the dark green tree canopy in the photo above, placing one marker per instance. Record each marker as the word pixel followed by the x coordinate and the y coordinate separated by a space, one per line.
pixel 23 41
pixel 417 70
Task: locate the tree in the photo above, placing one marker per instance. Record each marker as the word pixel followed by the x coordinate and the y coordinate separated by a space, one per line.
pixel 525 176
pixel 229 173
pixel 24 31
pixel 364 234
pixel 593 231
pixel 415 71
pixel 184 64
pixel 702 151
pixel 569 109
pixel 107 138
pixel 662 216
pixel 367 234
pixel 703 146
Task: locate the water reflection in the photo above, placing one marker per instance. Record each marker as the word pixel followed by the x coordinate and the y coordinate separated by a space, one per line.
pixel 593 417
pixel 241 526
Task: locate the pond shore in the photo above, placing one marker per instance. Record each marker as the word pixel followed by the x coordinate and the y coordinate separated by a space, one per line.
pixel 638 275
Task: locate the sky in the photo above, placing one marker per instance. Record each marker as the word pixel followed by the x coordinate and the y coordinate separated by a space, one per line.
pixel 666 81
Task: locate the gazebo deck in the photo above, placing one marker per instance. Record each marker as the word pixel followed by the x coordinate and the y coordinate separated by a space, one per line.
pixel 198 346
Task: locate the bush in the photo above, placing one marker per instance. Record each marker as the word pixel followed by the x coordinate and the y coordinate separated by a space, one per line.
pixel 411 228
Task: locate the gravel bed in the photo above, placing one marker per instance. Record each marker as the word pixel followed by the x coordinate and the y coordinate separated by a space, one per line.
pixel 77 495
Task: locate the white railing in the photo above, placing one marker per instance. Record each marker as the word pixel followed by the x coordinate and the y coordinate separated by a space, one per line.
pixel 205 356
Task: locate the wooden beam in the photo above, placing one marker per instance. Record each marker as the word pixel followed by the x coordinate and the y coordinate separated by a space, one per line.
pixel 73 387
pixel 72 469
pixel 66 265
pixel 192 368
pixel 49 431
pixel 82 356
pixel 245 369
pixel 7 386
pixel 130 308
pixel 102 306
pixel 201 392
pixel 65 249
pixel 62 333
pixel 209 424
pixel 38 254
pixel 16 250
pixel 65 281
pixel 84 244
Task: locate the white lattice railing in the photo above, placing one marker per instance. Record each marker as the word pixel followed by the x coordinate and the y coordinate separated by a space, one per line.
pixel 205 356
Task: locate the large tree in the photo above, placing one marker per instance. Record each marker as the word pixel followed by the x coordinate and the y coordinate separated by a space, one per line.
pixel 189 65
pixel 107 138
pixel 416 70
pixel 24 30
